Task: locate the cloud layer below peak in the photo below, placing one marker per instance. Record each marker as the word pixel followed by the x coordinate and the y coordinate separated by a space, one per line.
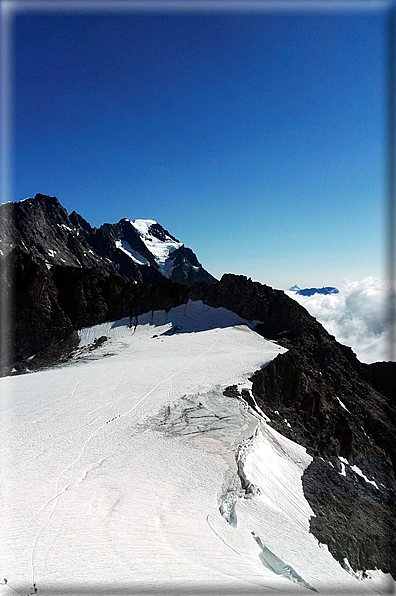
pixel 356 316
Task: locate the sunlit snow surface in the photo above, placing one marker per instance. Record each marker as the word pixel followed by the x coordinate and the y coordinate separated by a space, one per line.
pixel 160 249
pixel 115 467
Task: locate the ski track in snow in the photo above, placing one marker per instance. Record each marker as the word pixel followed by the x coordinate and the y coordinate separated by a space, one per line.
pixel 163 462
pixel 218 536
pixel 11 588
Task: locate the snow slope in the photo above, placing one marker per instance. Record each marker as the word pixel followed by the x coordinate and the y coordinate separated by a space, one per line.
pixel 128 471
pixel 126 248
pixel 160 245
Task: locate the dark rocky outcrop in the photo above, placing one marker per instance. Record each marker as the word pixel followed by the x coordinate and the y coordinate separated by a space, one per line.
pixel 353 517
pixel 277 314
pixel 334 411
pixel 42 227
pixel 314 397
pixel 382 376
pixel 35 319
pixel 47 306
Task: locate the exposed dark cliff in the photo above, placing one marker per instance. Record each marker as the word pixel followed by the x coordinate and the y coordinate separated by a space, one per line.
pixel 312 396
pixel 382 376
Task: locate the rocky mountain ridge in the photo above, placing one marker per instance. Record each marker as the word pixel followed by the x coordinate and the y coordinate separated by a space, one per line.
pixel 42 227
pixel 317 393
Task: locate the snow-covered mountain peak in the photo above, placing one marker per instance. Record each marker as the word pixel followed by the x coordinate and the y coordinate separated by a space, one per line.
pixel 149 229
pixel 143 224
pixel 140 251
pixel 159 242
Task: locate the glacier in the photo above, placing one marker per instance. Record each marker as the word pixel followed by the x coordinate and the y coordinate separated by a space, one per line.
pixel 128 470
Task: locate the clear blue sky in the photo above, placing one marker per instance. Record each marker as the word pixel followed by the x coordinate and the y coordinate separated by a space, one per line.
pixel 255 139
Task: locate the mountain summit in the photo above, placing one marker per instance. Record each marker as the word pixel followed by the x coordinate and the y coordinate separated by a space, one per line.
pixel 139 250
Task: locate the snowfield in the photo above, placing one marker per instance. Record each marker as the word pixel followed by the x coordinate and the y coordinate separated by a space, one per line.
pixel 128 471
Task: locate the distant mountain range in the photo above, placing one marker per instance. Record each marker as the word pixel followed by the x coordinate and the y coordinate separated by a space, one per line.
pixel 58 274
pixel 312 291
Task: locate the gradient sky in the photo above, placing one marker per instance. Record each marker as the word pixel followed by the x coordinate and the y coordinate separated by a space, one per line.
pixel 255 139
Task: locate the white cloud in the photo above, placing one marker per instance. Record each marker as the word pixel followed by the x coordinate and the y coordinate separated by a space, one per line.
pixel 356 316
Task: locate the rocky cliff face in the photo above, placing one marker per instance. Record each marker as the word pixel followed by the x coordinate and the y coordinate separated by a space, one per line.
pixel 312 395
pixel 58 274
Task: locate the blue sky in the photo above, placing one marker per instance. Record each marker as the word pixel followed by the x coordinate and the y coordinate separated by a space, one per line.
pixel 255 139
